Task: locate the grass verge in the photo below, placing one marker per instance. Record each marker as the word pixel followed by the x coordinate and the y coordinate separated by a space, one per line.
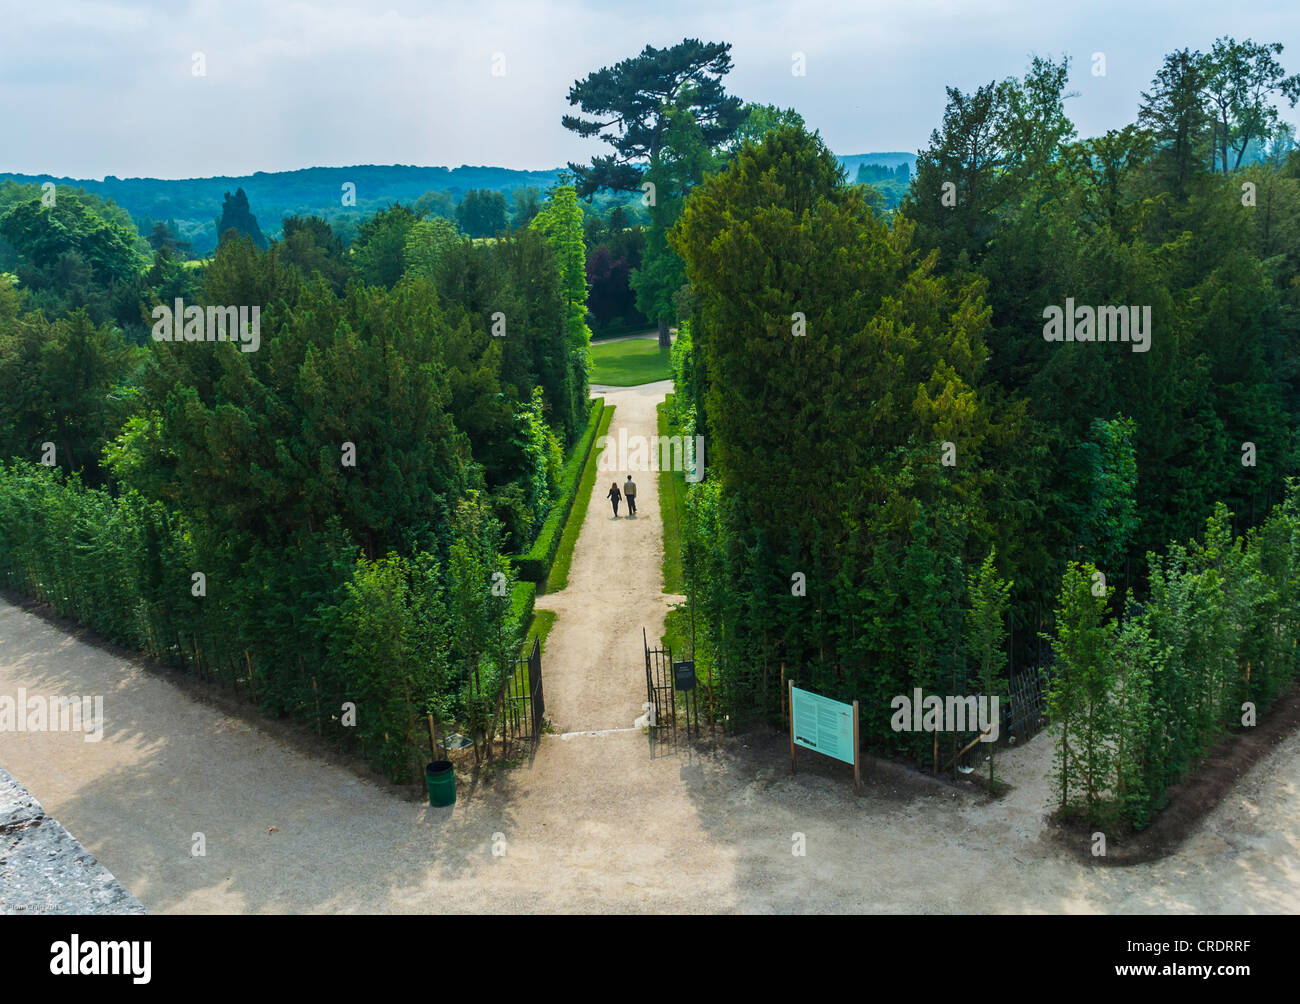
pixel 543 621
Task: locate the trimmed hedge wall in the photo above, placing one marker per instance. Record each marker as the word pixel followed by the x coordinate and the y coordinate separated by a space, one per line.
pixel 535 565
pixel 522 598
pixel 299 630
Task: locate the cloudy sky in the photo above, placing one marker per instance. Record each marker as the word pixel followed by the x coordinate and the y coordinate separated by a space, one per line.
pixel 91 89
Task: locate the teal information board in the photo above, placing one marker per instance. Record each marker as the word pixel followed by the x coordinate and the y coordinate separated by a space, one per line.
pixel 822 724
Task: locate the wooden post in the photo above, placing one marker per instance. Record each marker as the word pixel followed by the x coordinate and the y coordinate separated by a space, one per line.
pixel 935 769
pixel 857 766
pixel 789 692
pixel 433 742
pixel 783 690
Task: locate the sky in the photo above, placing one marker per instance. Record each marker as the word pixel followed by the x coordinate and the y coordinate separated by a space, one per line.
pixel 95 89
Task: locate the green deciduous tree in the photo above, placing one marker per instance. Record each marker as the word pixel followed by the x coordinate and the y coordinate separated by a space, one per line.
pixel 311 246
pixel 482 213
pixel 986 631
pixel 1079 693
pixel 1238 82
pixel 426 245
pixel 378 253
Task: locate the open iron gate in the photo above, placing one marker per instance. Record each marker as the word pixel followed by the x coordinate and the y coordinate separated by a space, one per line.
pixel 659 687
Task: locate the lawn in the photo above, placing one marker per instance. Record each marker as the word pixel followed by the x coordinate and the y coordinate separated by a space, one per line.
pixel 628 362
pixel 543 621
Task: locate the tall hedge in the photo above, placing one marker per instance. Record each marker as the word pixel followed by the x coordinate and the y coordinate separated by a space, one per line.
pixel 1140 700
pixel 362 650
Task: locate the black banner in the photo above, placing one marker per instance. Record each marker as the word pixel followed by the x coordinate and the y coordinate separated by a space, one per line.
pixel 376 953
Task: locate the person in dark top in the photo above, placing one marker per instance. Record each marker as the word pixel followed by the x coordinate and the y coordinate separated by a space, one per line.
pixel 614 496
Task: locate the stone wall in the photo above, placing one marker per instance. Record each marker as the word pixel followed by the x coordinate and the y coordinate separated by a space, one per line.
pixel 44 869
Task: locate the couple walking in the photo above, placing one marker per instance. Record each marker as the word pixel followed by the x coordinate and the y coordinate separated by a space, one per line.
pixel 629 492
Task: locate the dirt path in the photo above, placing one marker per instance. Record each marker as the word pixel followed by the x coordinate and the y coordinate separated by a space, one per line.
pixel 594 669
pixel 596 823
pixel 648 334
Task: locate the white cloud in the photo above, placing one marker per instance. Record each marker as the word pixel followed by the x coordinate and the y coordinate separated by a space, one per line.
pixel 107 89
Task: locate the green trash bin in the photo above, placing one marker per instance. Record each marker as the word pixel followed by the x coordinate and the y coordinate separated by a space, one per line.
pixel 440 779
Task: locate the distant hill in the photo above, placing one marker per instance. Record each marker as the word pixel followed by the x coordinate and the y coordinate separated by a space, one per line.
pixel 195 203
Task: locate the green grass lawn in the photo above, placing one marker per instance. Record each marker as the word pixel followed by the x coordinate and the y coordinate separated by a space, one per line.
pixel 541 627
pixel 628 362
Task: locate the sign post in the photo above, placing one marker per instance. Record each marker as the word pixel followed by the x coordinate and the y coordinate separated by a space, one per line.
pixel 684 674
pixel 825 726
pixel 857 767
pixel 789 686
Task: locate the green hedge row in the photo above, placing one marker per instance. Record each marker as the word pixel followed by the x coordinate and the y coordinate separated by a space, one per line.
pixel 1140 700
pixel 300 631
pixel 535 565
pixel 522 598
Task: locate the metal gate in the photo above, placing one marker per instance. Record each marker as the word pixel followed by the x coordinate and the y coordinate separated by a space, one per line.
pixel 1025 712
pixel 669 684
pixel 523 705
pixel 659 687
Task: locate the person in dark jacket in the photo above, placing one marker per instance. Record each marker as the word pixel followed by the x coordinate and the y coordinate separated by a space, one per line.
pixel 614 496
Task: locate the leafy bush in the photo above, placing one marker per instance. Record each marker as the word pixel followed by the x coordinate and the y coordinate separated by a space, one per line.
pixel 389 654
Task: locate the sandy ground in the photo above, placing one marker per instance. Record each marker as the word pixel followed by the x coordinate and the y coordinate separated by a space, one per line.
pixel 596 822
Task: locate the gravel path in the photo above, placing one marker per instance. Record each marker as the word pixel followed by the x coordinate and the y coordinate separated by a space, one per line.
pixel 597 823
pixel 594 669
